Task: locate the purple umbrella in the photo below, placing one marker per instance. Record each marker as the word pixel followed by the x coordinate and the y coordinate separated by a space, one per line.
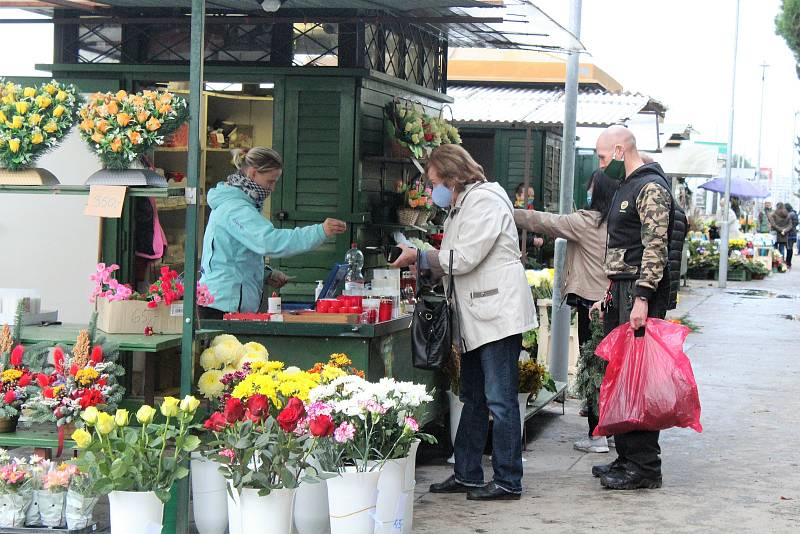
pixel 739 188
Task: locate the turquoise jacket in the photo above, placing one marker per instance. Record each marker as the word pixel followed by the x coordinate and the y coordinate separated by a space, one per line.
pixel 236 240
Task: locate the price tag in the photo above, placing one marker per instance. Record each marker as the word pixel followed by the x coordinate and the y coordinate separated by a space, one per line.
pixel 105 201
pixel 176 310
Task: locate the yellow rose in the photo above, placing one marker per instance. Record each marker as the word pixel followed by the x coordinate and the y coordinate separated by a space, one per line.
pixel 189 404
pixel 13 145
pixel 34 119
pixel 50 127
pixel 50 88
pixel 82 438
pixel 145 414
pixel 29 92
pixel 59 110
pixel 37 138
pixel 22 107
pixel 90 415
pixel 17 122
pixel 170 407
pixel 105 423
pixel 61 96
pixel 43 101
pixel 121 417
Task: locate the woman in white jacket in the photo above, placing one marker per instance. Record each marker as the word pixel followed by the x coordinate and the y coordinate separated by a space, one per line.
pixel 494 307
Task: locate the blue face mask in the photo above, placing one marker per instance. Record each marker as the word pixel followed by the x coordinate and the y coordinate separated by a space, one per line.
pixel 442 196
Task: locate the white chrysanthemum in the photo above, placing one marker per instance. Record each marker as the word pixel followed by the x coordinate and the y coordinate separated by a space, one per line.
pixel 293 370
pixel 208 359
pixel 258 348
pixel 228 352
pixel 209 384
pixel 224 338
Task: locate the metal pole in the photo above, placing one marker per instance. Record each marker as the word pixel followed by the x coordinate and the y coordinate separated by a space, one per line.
pixel 761 123
pixel 190 266
pixel 559 346
pixel 723 245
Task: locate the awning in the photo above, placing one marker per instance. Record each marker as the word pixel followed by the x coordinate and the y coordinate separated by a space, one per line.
pixel 495 106
pixel 689 159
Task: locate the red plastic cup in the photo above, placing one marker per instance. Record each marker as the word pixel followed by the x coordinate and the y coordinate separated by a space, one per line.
pixel 372 316
pixel 385 310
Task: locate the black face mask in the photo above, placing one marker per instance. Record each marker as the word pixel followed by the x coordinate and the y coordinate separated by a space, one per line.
pixel 616 169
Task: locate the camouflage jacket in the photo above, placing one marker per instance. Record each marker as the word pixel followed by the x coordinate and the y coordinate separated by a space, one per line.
pixel 638 230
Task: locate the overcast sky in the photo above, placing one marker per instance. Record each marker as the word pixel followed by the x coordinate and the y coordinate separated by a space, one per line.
pixel 681 52
pixel 678 51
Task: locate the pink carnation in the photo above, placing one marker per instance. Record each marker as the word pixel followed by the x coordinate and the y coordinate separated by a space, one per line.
pixel 228 453
pixel 344 432
pixel 412 424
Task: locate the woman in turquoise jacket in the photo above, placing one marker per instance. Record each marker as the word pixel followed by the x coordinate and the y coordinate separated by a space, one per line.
pixel 238 236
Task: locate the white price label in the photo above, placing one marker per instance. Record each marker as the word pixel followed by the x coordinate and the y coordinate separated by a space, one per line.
pixel 176 310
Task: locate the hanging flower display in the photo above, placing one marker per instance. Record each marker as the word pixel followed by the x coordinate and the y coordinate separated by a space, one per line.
pixel 33 120
pixel 122 126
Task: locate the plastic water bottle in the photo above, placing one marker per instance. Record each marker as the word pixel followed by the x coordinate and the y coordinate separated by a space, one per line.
pixel 354 279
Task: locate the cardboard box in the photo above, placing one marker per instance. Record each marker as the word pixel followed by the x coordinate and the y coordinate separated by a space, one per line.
pixel 133 316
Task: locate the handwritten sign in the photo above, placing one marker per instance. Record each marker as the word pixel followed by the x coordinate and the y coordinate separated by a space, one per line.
pixel 105 201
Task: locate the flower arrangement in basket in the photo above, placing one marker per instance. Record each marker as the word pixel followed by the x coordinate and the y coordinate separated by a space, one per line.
pixel 33 120
pixel 121 126
pixel 411 129
pixel 418 204
pixel 83 377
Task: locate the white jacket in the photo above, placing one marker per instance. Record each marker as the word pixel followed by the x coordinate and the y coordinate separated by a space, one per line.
pixel 492 295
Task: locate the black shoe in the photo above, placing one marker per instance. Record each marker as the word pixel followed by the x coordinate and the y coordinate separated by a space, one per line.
pixel 451 485
pixel 604 469
pixel 491 492
pixel 630 480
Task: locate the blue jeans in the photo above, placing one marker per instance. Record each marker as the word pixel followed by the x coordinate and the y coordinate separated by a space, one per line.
pixel 489 383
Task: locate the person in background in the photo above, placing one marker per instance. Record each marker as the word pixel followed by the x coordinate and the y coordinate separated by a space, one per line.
pixel 531 240
pixel 792 234
pixel 585 281
pixel 637 264
pixel 764 216
pixel 733 220
pixel 782 226
pixel 238 236
pixel 494 306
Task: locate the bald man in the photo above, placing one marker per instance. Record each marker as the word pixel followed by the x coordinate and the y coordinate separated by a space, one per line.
pixel 637 265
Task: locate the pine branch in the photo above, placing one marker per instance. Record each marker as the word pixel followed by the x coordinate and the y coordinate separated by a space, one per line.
pixel 18 315
pixel 93 329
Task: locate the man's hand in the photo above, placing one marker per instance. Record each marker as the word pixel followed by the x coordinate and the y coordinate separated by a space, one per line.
pixel 334 227
pixel 277 279
pixel 638 313
pixel 597 307
pixel 408 257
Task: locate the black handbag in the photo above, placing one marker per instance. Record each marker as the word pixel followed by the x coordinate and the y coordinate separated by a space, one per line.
pixel 432 327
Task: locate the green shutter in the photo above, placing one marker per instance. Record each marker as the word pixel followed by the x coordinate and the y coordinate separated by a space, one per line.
pixel 510 161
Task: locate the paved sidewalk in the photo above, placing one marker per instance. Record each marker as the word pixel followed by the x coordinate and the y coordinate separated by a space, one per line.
pixel 742 474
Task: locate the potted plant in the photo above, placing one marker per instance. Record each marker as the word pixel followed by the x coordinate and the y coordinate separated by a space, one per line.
pixel 120 127
pixel 33 120
pixel 15 492
pixel 532 377
pixel 85 488
pixel 53 494
pixel 138 466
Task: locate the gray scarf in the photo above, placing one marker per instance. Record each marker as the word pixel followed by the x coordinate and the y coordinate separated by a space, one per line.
pixel 253 190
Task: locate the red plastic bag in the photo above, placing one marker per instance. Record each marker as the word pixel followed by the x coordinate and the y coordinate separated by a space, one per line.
pixel 649 383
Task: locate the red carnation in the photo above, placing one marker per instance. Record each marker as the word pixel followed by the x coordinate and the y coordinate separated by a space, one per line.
pixel 153 288
pixel 58 358
pixel 152 304
pixel 164 270
pixel 321 426
pixel 97 354
pixel 43 380
pixel 10 396
pixel 234 410
pixel 290 415
pixel 25 380
pixel 258 406
pixel 102 382
pixel 216 423
pixel 91 397
pixel 47 393
pixel 16 355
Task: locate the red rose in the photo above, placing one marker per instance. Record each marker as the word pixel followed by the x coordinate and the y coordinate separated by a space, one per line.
pixel 321 426
pixel 97 354
pixel 234 410
pixel 9 397
pixel 43 380
pixel 258 406
pixel 216 423
pixel 58 358
pixel 290 415
pixel 16 355
pixel 25 379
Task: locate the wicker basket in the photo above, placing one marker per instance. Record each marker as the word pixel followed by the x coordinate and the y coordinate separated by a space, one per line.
pixel 423 217
pixel 407 216
pixel 399 151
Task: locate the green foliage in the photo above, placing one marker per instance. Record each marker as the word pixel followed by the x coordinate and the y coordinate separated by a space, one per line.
pixel 591 369
pixel 530 339
pixel 787 25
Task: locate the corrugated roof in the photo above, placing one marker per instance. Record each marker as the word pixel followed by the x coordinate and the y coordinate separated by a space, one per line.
pixel 476 105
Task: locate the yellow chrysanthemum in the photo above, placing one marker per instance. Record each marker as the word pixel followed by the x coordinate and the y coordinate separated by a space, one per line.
pixel 208 359
pixel 222 339
pixel 339 359
pixel 228 352
pixel 11 375
pixel 209 384
pixel 86 376
pixel 330 373
pixel 252 346
pixel 251 358
pixel 262 384
pixel 267 367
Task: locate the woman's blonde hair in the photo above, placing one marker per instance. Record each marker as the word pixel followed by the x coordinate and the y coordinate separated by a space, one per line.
pixel 260 158
pixel 455 166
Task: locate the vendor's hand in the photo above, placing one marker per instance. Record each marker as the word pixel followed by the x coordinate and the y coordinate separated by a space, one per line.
pixel 277 279
pixel 638 313
pixel 408 257
pixel 597 307
pixel 538 242
pixel 334 227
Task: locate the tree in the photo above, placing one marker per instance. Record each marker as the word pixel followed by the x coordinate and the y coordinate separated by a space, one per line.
pixel 787 25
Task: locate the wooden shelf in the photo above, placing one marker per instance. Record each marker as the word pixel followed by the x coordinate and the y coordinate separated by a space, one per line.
pixel 154 192
pixel 179 149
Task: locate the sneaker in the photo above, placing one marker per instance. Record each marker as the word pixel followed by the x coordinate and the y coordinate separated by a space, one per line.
pixel 592 444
